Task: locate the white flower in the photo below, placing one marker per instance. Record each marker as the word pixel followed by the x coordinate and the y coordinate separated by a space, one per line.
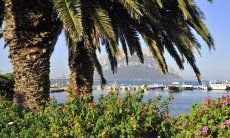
pixel 10 123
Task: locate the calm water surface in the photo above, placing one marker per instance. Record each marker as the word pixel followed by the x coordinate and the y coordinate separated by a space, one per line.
pixel 181 103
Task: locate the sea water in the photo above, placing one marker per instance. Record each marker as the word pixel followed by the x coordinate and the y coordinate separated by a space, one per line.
pixel 181 104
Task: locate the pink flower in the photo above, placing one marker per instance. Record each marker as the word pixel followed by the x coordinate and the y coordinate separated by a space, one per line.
pixel 222 126
pixel 183 127
pixel 225 101
pixel 216 103
pixel 198 132
pixel 228 122
pixel 205 129
pixel 206 102
pixel 15 100
pixel 208 98
pixel 203 110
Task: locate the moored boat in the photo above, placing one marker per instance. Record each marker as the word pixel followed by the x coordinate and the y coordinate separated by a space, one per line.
pixel 202 87
pixel 215 85
pixel 174 87
pixel 155 86
pixel 187 86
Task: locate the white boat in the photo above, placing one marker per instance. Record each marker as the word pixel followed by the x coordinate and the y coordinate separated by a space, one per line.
pixel 187 86
pixel 174 87
pixel 227 83
pixel 155 86
pixel 202 87
pixel 56 85
pixel 215 85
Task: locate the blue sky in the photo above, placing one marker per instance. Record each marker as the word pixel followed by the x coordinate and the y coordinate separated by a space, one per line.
pixel 213 65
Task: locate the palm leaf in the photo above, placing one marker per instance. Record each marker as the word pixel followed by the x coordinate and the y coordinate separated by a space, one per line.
pixel 152 44
pixel 103 24
pixel 159 2
pixel 182 6
pixel 70 14
pixel 124 46
pixel 133 8
pixel 112 58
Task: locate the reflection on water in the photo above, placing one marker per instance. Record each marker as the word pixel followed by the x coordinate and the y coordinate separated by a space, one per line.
pixel 181 103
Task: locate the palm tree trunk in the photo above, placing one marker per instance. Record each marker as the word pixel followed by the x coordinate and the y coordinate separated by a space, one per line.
pixel 81 69
pixel 31 31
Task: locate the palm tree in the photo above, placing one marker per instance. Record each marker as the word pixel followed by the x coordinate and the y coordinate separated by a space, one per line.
pixel 81 67
pixel 31 29
pixel 163 25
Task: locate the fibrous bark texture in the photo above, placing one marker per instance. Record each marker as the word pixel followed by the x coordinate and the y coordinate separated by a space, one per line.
pixel 31 31
pixel 81 68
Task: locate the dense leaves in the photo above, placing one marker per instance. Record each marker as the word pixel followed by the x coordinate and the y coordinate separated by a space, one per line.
pixel 116 115
pixel 6 86
pixel 80 117
pixel 211 118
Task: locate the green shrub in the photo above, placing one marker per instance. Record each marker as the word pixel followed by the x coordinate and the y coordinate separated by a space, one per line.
pixel 7 86
pixel 116 116
pixel 209 119
pixel 113 116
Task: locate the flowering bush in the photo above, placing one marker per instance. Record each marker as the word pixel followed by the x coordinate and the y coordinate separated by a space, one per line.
pixel 114 116
pixel 81 117
pixel 209 119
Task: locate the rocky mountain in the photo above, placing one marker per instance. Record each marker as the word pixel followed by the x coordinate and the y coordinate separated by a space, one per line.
pixel 135 71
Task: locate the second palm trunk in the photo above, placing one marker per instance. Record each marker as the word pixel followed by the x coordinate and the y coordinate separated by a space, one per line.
pixel 81 68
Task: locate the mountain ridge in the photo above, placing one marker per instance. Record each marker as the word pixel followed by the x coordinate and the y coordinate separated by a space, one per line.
pixel 136 71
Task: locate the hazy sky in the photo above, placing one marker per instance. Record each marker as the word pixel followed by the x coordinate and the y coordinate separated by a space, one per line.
pixel 213 65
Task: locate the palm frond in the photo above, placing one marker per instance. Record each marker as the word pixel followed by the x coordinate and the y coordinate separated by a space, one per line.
pixel 124 46
pixel 152 44
pixel 133 42
pixel 103 24
pixel 159 2
pixel 182 6
pixel 70 14
pixel 173 52
pixel 133 8
pixel 196 22
pixel 112 58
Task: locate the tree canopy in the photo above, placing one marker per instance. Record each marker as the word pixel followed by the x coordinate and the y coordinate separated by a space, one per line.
pixel 164 25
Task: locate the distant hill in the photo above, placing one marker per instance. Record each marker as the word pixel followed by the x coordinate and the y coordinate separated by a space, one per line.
pixel 136 71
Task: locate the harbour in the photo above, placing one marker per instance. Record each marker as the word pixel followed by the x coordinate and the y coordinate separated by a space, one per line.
pixel 181 104
pixel 174 86
pixel 61 85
